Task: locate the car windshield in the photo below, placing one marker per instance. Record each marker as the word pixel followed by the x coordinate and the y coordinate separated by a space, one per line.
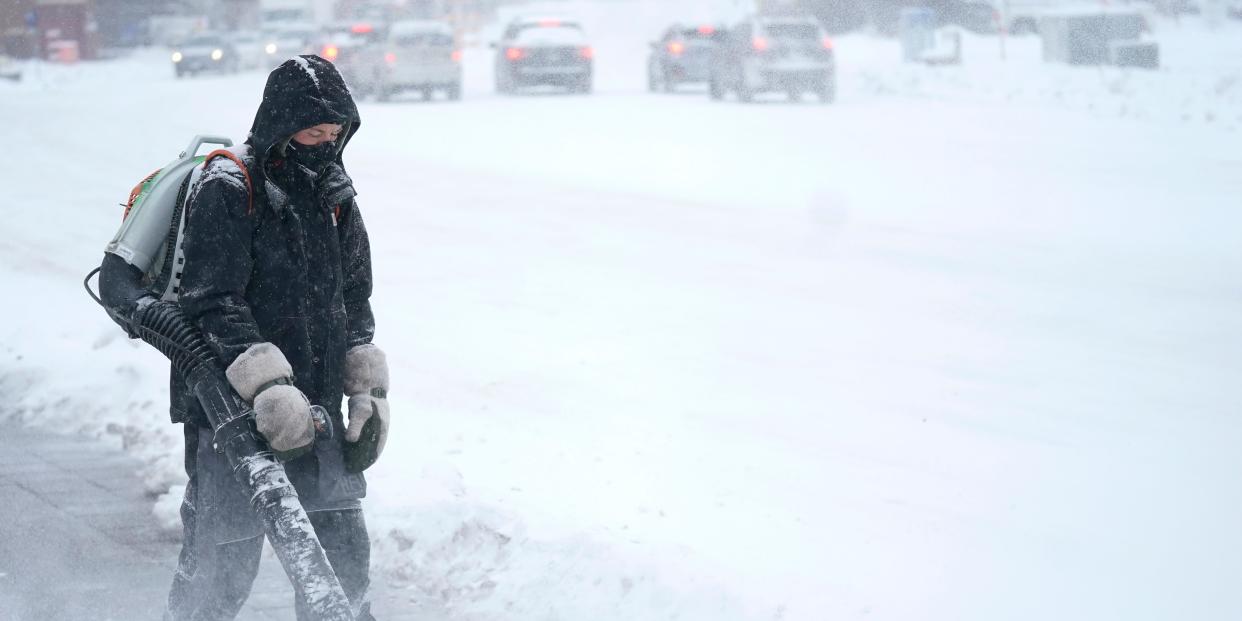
pixel 301 35
pixel 702 32
pixel 801 31
pixel 359 31
pixel 343 39
pixel 567 34
pixel 204 42
pixel 428 39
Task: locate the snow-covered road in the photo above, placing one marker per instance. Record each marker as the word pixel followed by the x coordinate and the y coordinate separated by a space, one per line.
pixel 904 357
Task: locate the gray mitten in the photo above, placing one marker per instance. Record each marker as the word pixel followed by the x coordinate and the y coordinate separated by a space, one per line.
pixel 262 376
pixel 335 186
pixel 366 383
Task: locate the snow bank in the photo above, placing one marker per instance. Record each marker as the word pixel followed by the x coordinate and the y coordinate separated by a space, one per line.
pixel 1198 82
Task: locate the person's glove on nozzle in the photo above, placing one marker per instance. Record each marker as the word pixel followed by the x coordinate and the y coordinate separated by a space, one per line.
pixel 366 384
pixel 263 377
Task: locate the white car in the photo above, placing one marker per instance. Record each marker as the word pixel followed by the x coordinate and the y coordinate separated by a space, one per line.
pixel 415 55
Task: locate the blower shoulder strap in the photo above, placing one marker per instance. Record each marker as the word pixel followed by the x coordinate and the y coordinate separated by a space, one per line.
pixel 225 153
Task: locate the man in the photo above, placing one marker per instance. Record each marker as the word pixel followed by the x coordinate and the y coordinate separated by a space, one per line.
pixel 277 276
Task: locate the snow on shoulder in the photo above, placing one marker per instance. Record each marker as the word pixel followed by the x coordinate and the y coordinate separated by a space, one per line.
pixel 226 168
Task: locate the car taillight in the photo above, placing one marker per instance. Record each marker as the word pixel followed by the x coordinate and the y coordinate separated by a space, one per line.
pixel 759 43
pixel 514 53
pixel 549 23
pixel 390 58
pixel 676 48
pixel 587 53
pixel 330 52
pixel 827 43
pixel 456 56
pixel 706 30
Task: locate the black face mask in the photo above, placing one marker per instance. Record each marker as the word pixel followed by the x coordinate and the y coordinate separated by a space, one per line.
pixel 314 159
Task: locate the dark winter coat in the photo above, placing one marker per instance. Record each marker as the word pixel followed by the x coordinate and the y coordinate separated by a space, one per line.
pixel 286 267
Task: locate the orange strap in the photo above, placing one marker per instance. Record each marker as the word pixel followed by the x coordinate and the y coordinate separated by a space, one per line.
pixel 133 194
pixel 246 173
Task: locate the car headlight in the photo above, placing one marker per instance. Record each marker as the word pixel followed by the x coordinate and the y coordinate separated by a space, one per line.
pixel 177 57
pixel 270 48
pixel 217 54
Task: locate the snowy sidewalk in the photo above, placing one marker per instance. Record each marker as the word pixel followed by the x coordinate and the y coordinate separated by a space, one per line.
pixel 78 540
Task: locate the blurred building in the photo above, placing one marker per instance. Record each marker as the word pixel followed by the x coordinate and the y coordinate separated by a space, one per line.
pixel 18 37
pixel 63 30
pixel 465 16
pixel 413 9
pixel 780 7
pixel 124 23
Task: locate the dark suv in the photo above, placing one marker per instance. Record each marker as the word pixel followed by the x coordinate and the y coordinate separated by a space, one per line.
pixel 682 55
pixel 760 55
pixel 546 51
pixel 207 52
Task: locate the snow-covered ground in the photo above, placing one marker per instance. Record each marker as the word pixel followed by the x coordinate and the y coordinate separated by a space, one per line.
pixel 961 346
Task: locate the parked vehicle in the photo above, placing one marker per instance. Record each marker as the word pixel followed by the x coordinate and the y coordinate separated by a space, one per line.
pixel 547 51
pixel 207 52
pixel 419 55
pixel 767 54
pixel 682 55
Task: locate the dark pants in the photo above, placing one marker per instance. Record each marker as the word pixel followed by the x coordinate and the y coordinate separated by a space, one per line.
pixel 213 579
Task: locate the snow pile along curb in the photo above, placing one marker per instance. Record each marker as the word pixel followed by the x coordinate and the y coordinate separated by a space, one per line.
pixel 1189 88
